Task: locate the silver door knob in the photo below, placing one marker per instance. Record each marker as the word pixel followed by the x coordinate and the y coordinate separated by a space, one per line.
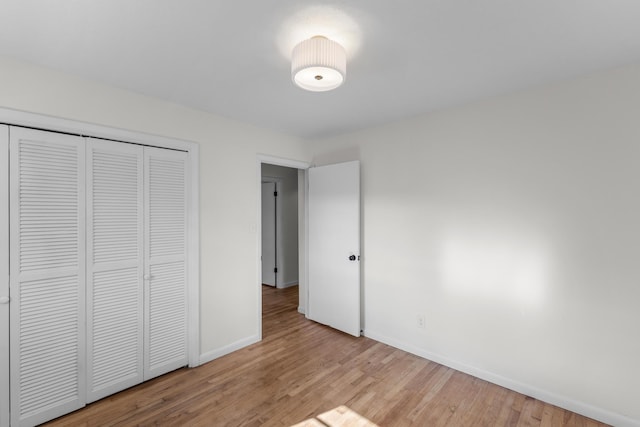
pixel 4 300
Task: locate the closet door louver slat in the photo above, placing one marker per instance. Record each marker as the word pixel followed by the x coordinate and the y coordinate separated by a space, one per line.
pixel 47 275
pixel 114 267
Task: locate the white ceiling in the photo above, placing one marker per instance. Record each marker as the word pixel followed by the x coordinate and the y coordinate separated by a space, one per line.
pixel 405 57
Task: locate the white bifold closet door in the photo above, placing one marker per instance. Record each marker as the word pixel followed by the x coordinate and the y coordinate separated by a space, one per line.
pixel 47 275
pixel 115 297
pixel 98 285
pixel 137 288
pixel 165 249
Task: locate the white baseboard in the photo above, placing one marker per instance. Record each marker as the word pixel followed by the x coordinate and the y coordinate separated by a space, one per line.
pixel 301 309
pixel 214 354
pixel 578 407
pixel 288 284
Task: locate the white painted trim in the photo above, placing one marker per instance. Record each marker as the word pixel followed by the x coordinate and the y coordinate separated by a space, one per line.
pixel 289 284
pixel 56 124
pixel 193 248
pixel 578 407
pixel 215 354
pixel 279 161
pixel 304 278
pixel 41 121
pixel 4 276
pixel 258 229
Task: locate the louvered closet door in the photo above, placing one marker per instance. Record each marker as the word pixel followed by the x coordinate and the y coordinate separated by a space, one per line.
pixel 47 310
pixel 115 301
pixel 165 253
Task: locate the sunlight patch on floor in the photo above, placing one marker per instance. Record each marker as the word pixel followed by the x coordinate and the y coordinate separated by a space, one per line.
pixel 338 417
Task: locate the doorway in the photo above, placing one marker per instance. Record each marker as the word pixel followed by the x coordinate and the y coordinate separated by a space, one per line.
pixel 279 226
pixel 281 223
pixel 334 197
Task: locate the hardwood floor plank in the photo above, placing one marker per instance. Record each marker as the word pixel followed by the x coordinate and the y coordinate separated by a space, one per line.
pixel 302 369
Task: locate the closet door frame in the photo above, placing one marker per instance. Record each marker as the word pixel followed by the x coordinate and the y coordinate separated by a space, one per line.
pixel 39 121
pixel 4 275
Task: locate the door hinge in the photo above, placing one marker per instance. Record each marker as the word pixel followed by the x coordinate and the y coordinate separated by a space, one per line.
pixel 275 270
pixel 275 194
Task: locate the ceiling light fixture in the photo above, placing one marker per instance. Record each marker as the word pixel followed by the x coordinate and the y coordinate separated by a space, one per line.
pixel 318 64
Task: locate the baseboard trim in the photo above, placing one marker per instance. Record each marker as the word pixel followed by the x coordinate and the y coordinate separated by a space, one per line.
pixel 214 354
pixel 288 284
pixel 578 407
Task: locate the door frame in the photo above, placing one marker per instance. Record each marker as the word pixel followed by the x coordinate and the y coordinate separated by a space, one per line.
pixel 4 276
pixel 278 224
pixel 55 124
pixel 303 167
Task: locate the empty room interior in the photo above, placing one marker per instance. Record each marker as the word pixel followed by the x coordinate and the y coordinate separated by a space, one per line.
pixel 320 213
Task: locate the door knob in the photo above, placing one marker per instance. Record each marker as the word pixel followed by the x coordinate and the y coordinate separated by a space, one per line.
pixel 4 300
pixel 352 257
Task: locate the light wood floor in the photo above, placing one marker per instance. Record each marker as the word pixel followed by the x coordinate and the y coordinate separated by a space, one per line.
pixel 302 369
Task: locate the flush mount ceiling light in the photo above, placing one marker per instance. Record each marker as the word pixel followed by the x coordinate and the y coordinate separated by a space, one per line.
pixel 318 64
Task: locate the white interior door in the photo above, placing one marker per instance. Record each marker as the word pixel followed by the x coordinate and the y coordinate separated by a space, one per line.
pixel 4 277
pixel 115 299
pixel 334 246
pixel 269 255
pixel 47 283
pixel 165 266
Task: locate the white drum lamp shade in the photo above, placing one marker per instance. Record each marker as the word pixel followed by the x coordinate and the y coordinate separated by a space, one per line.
pixel 318 64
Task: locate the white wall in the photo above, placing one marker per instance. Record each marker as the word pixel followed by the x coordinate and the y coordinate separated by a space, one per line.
pixel 513 226
pixel 288 194
pixel 228 177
